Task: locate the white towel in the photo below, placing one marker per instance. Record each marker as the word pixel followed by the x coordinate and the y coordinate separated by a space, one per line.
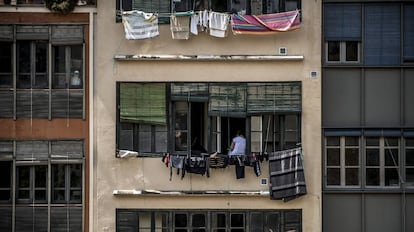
pixel 218 23
pixel 194 21
pixel 140 25
pixel 180 27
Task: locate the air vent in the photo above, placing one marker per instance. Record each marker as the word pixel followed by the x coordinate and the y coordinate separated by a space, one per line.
pixel 282 51
pixel 313 75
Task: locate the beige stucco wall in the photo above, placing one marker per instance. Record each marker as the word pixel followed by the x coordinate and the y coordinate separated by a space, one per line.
pixel 149 173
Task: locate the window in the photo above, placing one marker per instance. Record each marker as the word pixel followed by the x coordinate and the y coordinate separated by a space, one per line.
pixel 342 161
pixel 372 161
pixel 343 52
pixel 208 220
pixel 33 96
pixel 26 167
pixel 156 118
pixel 240 6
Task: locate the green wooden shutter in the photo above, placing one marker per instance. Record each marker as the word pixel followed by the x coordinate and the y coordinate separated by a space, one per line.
pixel 273 97
pixel 143 103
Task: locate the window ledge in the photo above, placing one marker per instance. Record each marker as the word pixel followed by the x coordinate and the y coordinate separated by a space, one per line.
pixel 134 192
pixel 143 57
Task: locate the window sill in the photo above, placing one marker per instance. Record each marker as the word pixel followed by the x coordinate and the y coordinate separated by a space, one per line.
pixel 166 57
pixel 134 192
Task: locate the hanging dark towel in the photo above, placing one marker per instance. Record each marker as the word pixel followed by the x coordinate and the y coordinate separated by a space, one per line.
pixel 240 167
pixel 178 163
pixel 287 178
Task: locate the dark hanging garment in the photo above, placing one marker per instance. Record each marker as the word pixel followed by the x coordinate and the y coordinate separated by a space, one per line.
pixel 287 178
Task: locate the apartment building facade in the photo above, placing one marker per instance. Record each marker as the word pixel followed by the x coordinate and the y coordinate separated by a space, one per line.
pixel 205 86
pixel 45 140
pixel 368 115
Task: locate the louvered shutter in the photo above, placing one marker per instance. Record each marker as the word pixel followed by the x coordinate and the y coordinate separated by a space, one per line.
pixel 67 34
pixel 227 99
pixel 31 218
pixel 6 33
pixel 76 104
pixel 6 218
pixel 6 103
pixel 6 150
pixel 66 218
pixel 382 34
pixel 194 92
pixel 32 150
pixel 32 104
pixel 32 32
pixel 67 104
pixel 274 97
pixel 342 22
pixel 67 149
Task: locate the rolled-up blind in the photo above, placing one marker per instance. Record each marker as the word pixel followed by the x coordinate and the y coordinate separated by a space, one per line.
pixel 32 32
pixel 67 34
pixel 409 33
pixel 189 92
pixel 274 97
pixel 227 99
pixel 143 103
pixel 6 33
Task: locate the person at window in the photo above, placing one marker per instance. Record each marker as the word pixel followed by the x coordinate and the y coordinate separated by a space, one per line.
pixel 179 146
pixel 238 144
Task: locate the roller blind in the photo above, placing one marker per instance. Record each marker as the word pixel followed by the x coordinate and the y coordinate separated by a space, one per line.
pixel 67 34
pixel 189 92
pixel 274 97
pixel 342 22
pixel 227 99
pixel 143 103
pixel 382 34
pixel 409 33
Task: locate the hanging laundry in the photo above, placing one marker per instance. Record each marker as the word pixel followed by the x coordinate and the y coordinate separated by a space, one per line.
pixel 218 23
pixel 194 21
pixel 177 162
pixel 180 26
pixel 203 19
pixel 287 178
pixel 265 24
pixel 140 25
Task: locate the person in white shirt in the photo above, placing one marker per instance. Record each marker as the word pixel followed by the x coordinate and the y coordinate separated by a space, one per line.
pixel 238 144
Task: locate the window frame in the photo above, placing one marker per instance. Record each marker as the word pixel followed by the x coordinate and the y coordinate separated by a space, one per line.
pixel 212 136
pixel 128 219
pixel 31 100
pixel 342 53
pixel 248 8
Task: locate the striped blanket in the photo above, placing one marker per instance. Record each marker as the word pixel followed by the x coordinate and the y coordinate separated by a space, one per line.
pixel 265 24
pixel 287 177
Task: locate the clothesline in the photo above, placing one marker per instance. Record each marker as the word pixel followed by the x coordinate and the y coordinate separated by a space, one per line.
pixel 142 25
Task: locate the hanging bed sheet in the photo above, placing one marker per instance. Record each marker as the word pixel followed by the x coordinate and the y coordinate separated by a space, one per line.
pixel 287 177
pixel 265 24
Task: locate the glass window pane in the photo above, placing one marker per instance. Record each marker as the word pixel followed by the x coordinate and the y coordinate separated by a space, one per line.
pixel 219 221
pixel 58 195
pixel 59 67
pixel 23 64
pixel 41 79
pixel 372 175
pixel 409 176
pixel 351 141
pixel 6 78
pixel 372 141
pixel 145 139
pixel 372 157
pixel 391 157
pixel 333 141
pixel 23 175
pixel 272 222
pixel 333 157
pixel 352 51
pixel 237 220
pixel 409 157
pixel 75 175
pixel 409 142
pixel 352 176
pixel 198 220
pixel 391 141
pixel 333 51
pixel 58 175
pixel 180 220
pixel 333 176
pixel 256 222
pixel 40 176
pixel 351 156
pixel 391 177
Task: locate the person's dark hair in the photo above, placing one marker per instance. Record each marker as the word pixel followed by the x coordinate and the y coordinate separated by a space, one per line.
pixel 239 132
